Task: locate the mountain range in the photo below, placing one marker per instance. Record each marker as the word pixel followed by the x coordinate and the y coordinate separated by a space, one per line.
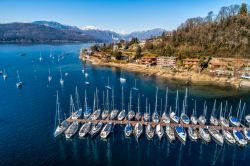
pixel 54 32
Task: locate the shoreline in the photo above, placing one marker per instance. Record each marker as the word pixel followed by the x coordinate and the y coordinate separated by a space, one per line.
pixel 188 77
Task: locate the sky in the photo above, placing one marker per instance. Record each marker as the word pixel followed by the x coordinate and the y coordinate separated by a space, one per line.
pixel 123 16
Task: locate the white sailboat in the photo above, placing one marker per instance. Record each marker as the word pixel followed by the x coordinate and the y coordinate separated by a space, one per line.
pixel 202 118
pixel 122 113
pixel 87 109
pixel 239 138
pixel 84 130
pixel 138 130
pixel 78 113
pixel 146 115
pixel 159 131
pixel 128 130
pixel 122 79
pixel 184 118
pixel 71 130
pixel 216 135
pixel 204 134
pixel 61 79
pixel 223 121
pixel 193 134
pixel 170 133
pixel 96 128
pixel 228 136
pixel 138 114
pixel 40 58
pixel 105 112
pixel 150 131
pixel 131 113
pixel 108 86
pixel 62 125
pixel 49 76
pixel 193 118
pixel 5 76
pixel 181 134
pixel 155 115
pixel 164 117
pixel 213 120
pixel 173 117
pixel 135 88
pixel 246 132
pixel 114 112
pixel 106 130
pixel 19 83
pixel 96 110
pixel 235 121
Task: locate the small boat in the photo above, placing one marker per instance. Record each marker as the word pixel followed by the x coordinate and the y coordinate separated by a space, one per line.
pixel 40 58
pixel 150 131
pixel 4 75
pixel 96 114
pixel 128 130
pixel 223 121
pixel 121 115
pixel 105 112
pixel 66 74
pixel 114 112
pixel 181 133
pixel 202 118
pixel 61 125
pixel 216 135
pixel 84 130
pixel 49 77
pixel 83 71
pixel 19 83
pixel 164 116
pixel 87 109
pixel 155 115
pixel 204 134
pixel 96 128
pixel 108 86
pixel 135 88
pixel 170 133
pixel 106 130
pixel 78 111
pixel 184 118
pixel 86 74
pixel 61 79
pixel 71 130
pixel 213 120
pixel 159 131
pixel 239 138
pixel 193 134
pixel 247 118
pixel 246 134
pixel 131 113
pixel 235 121
pixel 122 79
pixel 173 117
pixel 138 114
pixel 138 130
pixel 228 137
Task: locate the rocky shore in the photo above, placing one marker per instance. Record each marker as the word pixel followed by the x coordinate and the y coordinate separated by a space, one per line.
pixel 189 77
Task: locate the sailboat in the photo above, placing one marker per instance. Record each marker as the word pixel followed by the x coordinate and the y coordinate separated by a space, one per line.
pixel 138 114
pixel 122 113
pixel 223 121
pixel 193 134
pixel 184 118
pixel 247 118
pixel 87 110
pixel 246 132
pixel 164 117
pixel 146 115
pixel 19 83
pixel 159 131
pixel 202 118
pixel 61 125
pixel 122 79
pixel 72 129
pixel 78 113
pixel 155 115
pixel 49 77
pixel 106 130
pixel 84 130
pixel 4 75
pixel 114 112
pixel 170 133
pixel 61 79
pixel 105 112
pixel 150 131
pixel 181 134
pixel 204 134
pixel 138 130
pixel 135 88
pixel 40 58
pixel 235 121
pixel 213 120
pixel 131 113
pixel 173 117
pixel 96 110
pixel 108 86
pixel 228 136
pixel 239 138
pixel 128 130
pixel 193 116
pixel 216 135
pixel 96 128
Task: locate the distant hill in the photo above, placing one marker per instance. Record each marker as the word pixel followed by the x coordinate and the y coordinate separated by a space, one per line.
pixel 145 34
pixel 34 33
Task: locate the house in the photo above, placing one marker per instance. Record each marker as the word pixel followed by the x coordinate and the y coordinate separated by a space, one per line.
pixel 190 62
pixel 148 61
pixel 166 61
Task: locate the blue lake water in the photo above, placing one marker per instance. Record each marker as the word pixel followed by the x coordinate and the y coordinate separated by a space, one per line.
pixel 27 115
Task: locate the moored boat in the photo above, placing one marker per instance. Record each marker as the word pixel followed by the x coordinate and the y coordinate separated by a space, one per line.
pixel 184 118
pixel 138 130
pixel 128 130
pixel 216 135
pixel 239 138
pixel 170 133
pixel 159 131
pixel 213 120
pixel 84 130
pixel 228 136
pixel 193 134
pixel 150 131
pixel 72 129
pixel 181 134
pixel 138 114
pixel 246 132
pixel 122 113
pixel 96 128
pixel 204 134
pixel 106 130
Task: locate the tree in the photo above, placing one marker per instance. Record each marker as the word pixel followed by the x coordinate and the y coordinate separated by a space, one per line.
pixel 209 17
pixel 138 52
pixel 94 48
pixel 148 45
pixel 117 55
pixel 243 9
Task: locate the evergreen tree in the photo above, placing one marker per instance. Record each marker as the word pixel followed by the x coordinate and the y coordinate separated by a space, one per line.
pixel 243 9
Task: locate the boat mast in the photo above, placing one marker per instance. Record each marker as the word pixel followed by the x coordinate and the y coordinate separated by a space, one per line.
pixel 78 106
pixel 185 102
pixel 161 107
pixel 226 107
pixel 239 109
pixel 107 100
pixel 18 77
pixel 138 103
pixel 220 109
pixel 130 100
pixel 156 100
pixel 58 111
pixel 72 107
pixel 122 99
pixel 146 105
pixel 113 100
pixel 214 108
pixel 97 100
pixel 166 102
pixel 85 100
pixel 176 102
pixel 94 101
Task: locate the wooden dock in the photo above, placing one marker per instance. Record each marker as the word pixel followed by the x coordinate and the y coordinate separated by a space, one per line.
pixel 133 123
